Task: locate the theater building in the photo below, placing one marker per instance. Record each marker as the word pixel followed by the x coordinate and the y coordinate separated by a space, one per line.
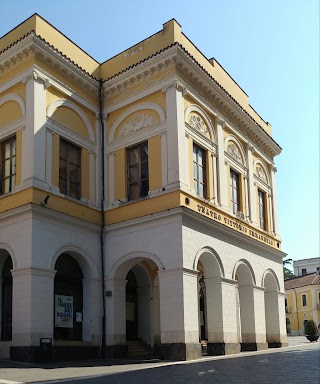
pixel 137 203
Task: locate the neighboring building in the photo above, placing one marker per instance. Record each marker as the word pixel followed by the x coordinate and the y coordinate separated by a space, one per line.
pixel 306 266
pixel 302 302
pixel 138 202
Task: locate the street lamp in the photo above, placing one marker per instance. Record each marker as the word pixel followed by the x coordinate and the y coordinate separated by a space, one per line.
pixel 201 282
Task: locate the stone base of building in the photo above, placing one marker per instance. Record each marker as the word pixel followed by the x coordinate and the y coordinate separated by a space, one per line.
pixel 277 345
pixel 178 351
pixel 116 351
pixel 217 349
pixel 247 347
pixel 35 354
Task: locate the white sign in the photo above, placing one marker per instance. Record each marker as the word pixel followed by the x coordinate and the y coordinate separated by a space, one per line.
pixel 63 311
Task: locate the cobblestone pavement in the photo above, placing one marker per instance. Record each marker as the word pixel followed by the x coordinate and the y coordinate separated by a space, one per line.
pixel 295 364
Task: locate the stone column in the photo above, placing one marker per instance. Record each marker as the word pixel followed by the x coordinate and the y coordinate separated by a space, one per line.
pixel 274 200
pixel 34 138
pixel 222 170
pixel 176 149
pixel 253 325
pixel 92 311
pixel 251 189
pixel 179 315
pixel 116 318
pixel 32 311
pixel 222 317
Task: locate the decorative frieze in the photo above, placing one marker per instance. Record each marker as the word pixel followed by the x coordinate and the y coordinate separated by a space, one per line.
pixel 234 152
pixel 260 173
pixel 136 122
pixel 197 122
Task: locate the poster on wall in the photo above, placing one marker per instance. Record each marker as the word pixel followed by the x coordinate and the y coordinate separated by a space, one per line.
pixel 63 311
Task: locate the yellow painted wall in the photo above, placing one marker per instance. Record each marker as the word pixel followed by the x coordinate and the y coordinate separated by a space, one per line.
pixel 17 69
pixel 120 171
pixel 54 37
pixel 19 89
pixel 142 208
pixel 9 112
pixel 157 98
pixel 70 119
pixel 154 157
pixel 190 159
pixel 80 90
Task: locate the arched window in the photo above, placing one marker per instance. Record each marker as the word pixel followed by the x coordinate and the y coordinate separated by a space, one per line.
pixel 6 304
pixel 68 299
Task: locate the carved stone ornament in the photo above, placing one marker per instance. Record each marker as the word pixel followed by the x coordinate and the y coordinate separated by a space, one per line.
pixel 198 123
pixel 136 122
pixel 233 151
pixel 261 174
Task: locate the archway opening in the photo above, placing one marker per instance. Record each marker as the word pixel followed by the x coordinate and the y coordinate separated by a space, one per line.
pixel 288 326
pixel 131 307
pixel 68 299
pixel 304 325
pixel 136 305
pixel 6 299
pixel 245 313
pixel 271 309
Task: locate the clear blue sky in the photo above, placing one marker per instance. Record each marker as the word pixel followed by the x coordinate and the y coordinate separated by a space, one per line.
pixel 270 47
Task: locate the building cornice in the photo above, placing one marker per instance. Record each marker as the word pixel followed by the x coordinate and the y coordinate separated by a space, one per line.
pixel 33 45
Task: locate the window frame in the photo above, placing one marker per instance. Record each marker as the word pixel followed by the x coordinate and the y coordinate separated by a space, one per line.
pixel 232 188
pixel 304 302
pixel 12 174
pixel 66 191
pixel 262 209
pixel 196 167
pixel 141 182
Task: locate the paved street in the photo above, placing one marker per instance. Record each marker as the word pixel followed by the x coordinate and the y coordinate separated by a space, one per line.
pixel 299 363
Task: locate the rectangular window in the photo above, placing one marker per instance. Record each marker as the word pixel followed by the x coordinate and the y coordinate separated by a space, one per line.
pixel 8 165
pixel 304 271
pixel 199 170
pixel 262 209
pixel 304 300
pixel 70 169
pixel 234 191
pixel 138 171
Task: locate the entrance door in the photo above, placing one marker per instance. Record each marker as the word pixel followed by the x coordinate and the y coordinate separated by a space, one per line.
pixel 6 317
pixel 131 307
pixel 202 303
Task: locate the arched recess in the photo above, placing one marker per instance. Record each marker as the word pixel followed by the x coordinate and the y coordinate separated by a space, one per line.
pixel 234 148
pixel 90 271
pixel 155 107
pixel 262 174
pixel 78 279
pixel 271 304
pixel 67 103
pixel 135 301
pixel 199 125
pixel 245 307
pixel 14 97
pixel 6 289
pixel 210 302
pixel 7 249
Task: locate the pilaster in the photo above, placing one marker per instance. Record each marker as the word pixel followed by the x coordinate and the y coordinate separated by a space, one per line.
pixel 34 139
pixel 222 170
pixel 176 151
pixel 251 187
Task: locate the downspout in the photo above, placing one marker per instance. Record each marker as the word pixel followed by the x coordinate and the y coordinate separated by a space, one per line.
pixel 103 339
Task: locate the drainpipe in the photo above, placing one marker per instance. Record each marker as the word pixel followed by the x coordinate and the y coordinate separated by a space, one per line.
pixel 103 339
pixel 297 311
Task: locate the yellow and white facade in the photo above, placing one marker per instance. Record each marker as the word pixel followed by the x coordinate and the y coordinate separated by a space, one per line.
pixel 302 302
pixel 138 201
